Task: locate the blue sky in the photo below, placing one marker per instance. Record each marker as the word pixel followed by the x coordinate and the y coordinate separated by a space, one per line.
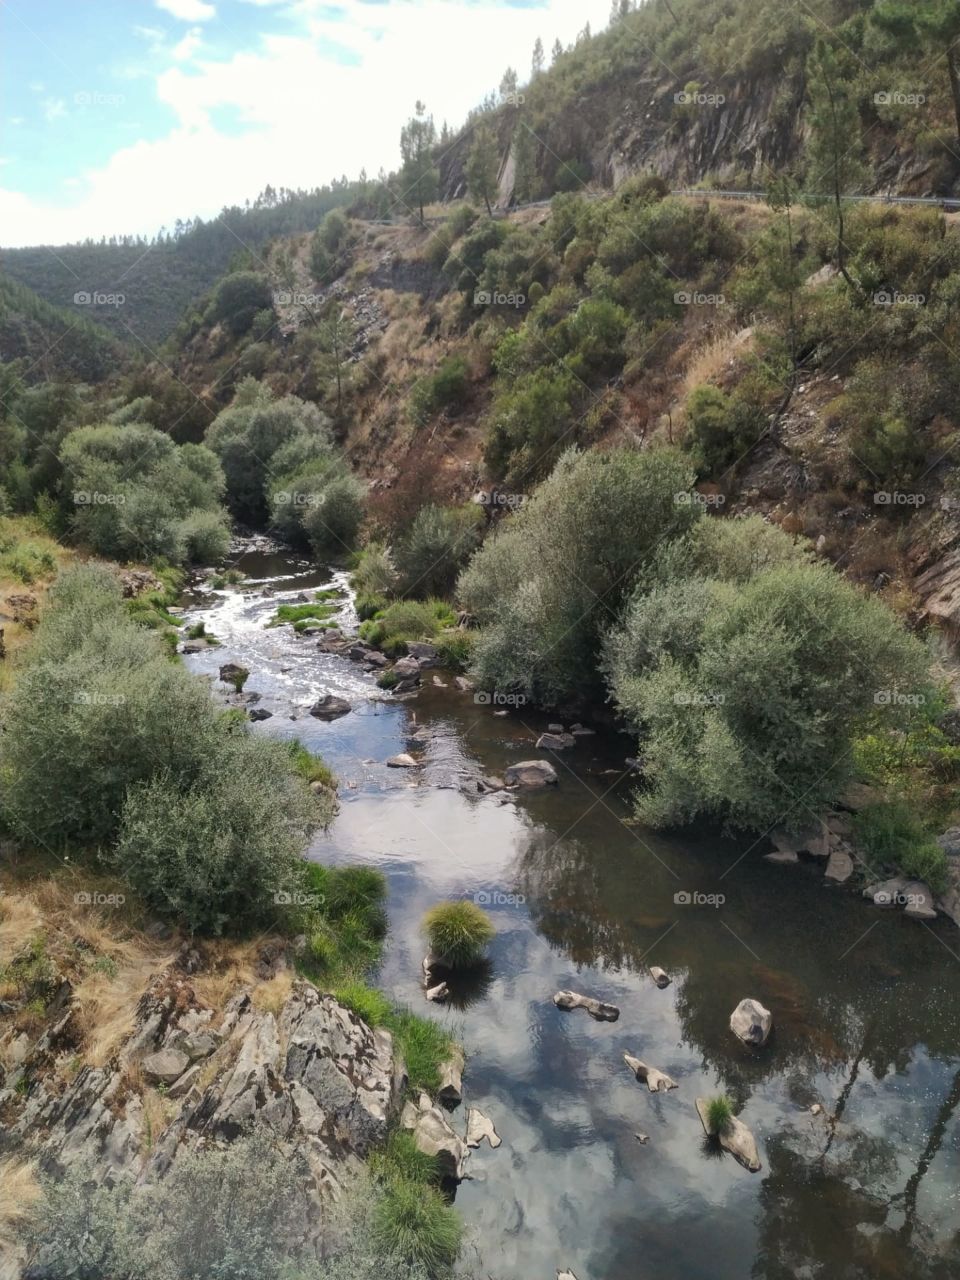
pixel 122 115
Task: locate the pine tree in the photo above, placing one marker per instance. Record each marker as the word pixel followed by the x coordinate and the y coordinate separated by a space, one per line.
pixel 933 23
pixel 557 52
pixel 417 140
pixel 483 166
pixel 536 66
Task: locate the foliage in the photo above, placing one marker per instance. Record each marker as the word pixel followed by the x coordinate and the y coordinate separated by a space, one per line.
pixel 435 548
pixel 719 1113
pixel 750 691
pixel 553 576
pixel 414 1222
pixel 407 620
pixel 238 298
pixel 895 837
pixel 458 932
pixel 441 390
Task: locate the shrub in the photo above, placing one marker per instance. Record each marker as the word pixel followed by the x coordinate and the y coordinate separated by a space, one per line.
pixel 214 853
pixel 458 933
pixel 554 575
pixel 894 837
pixel 374 574
pixel 530 423
pixel 440 390
pixel 719 1113
pixel 331 522
pixel 749 695
pixel 436 547
pixel 238 298
pixel 206 537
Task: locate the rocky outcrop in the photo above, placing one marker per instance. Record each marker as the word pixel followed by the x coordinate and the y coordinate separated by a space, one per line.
pixel 751 1022
pixel 597 1009
pixel 321 1079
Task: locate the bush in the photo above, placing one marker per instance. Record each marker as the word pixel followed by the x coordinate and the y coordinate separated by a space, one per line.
pixel 214 853
pixel 440 390
pixel 894 837
pixel 375 574
pixel 436 547
pixel 206 537
pixel 238 298
pixel 548 583
pixel 750 695
pixel 331 522
pixel 458 933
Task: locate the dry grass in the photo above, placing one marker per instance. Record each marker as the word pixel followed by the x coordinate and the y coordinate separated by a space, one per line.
pixel 19 1195
pixel 272 995
pixel 714 358
pixel 108 1003
pixel 233 967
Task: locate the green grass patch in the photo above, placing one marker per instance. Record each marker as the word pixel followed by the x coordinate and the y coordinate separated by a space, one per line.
pixel 719 1113
pixel 895 838
pixel 407 620
pixel 402 1158
pixel 370 606
pixel 458 932
pixel 413 1221
pixel 311 768
pixel 319 611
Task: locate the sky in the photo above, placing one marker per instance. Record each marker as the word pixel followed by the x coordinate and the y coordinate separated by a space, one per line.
pixel 120 116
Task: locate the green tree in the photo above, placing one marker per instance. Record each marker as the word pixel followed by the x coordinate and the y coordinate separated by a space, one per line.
pixel 483 165
pixel 419 175
pixel 536 65
pixel 835 153
pixel 931 23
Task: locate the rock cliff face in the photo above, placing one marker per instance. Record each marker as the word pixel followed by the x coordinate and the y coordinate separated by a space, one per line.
pixel 324 1082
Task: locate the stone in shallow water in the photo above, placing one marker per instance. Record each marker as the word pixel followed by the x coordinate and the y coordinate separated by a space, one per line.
pixel 839 867
pixel 479 1127
pixel 330 707
pixel 555 741
pixel 530 773
pixel 402 761
pixel 751 1022
pixel 660 976
pixel 596 1008
pixel 735 1138
pixel 656 1081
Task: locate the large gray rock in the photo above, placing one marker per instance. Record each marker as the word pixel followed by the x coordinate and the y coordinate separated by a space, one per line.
pixel 530 773
pixel 164 1066
pixel 919 901
pixel 840 866
pixel 479 1127
pixel 451 1078
pixel 425 654
pixel 555 741
pixel 402 761
pixel 751 1022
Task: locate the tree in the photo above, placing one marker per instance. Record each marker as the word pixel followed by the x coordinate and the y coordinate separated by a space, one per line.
pixel 417 140
pixel 934 23
pixel 509 86
pixel 483 165
pixel 556 52
pixel 536 66
pixel 836 142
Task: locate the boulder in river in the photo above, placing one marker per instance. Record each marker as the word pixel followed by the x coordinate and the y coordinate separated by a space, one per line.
pixel 656 1081
pixel 839 866
pixel 919 903
pixel 425 654
pixel 555 741
pixel 233 673
pixel 597 1009
pixel 660 976
pixel 402 761
pixel 479 1127
pixel 734 1137
pixel 260 713
pixel 330 707
pixel 751 1022
pixel 439 993
pixel 530 773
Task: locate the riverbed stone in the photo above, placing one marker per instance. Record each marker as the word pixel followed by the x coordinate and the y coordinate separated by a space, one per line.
pixel 597 1009
pixel 260 713
pixel 330 707
pixel 555 741
pixel 425 654
pixel 840 866
pixel 735 1138
pixel 434 1137
pixel 782 857
pixel 919 904
pixel 402 761
pixel 660 976
pixel 451 1077
pixel 530 773
pixel 479 1127
pixel 751 1022
pixel 656 1081
pixel 887 893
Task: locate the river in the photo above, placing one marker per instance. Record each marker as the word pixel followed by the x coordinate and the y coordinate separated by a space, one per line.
pixel 866 1003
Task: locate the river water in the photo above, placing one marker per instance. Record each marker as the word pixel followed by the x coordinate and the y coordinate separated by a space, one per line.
pixel 866 1003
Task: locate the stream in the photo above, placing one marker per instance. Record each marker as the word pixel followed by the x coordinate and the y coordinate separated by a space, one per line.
pixel 866 1003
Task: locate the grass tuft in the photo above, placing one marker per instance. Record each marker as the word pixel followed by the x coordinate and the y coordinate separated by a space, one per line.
pixel 458 932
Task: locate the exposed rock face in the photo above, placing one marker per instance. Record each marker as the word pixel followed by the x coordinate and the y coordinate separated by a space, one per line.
pixel 318 1076
pixel 530 773
pixel 596 1008
pixel 751 1022
pixel 656 1081
pixel 735 1137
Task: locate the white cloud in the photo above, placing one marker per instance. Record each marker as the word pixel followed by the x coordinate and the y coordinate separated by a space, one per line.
pixel 184 50
pixel 16 121
pixel 305 118
pixel 54 109
pixel 188 10
pixel 152 34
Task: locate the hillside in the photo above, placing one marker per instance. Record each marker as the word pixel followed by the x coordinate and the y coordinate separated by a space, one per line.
pixel 54 341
